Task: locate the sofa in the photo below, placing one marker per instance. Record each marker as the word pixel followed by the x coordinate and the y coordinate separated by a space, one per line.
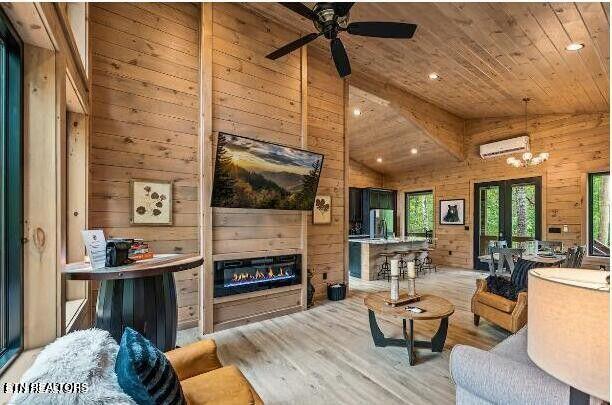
pixel 79 368
pixel 503 375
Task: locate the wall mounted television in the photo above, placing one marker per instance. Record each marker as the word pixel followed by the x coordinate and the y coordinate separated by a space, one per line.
pixel 254 174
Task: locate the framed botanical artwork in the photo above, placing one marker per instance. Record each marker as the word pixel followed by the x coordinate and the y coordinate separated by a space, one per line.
pixel 150 202
pixel 321 212
pixel 452 212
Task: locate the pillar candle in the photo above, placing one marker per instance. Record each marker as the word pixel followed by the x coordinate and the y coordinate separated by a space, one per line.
pixel 394 267
pixel 411 271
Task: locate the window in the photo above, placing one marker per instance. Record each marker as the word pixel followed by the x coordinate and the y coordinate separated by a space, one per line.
pixel 11 192
pixel 599 214
pixel 419 213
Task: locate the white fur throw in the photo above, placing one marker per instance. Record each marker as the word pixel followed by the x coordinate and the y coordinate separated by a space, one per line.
pixel 78 368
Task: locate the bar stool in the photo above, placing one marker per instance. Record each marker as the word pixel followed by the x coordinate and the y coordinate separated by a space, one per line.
pixel 425 262
pixel 401 264
pixel 406 256
pixel 385 267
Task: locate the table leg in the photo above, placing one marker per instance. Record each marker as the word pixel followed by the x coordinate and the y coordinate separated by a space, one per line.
pixel 377 335
pixel 437 342
pixel 410 342
pixel 147 305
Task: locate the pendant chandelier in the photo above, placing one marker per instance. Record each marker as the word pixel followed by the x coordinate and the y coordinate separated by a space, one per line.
pixel 528 159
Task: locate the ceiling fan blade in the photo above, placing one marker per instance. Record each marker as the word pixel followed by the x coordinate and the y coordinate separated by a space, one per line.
pixel 300 9
pixel 340 57
pixel 342 9
pixel 382 29
pixel 292 46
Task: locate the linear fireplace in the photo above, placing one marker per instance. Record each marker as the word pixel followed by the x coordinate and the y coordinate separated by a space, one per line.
pixel 254 274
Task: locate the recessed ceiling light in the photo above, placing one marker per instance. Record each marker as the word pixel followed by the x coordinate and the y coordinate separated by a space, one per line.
pixel 433 76
pixel 379 160
pixel 574 46
pixel 356 112
pixel 414 151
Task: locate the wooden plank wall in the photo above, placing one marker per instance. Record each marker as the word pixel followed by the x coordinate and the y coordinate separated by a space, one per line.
pixel 361 176
pixel 145 72
pixel 259 98
pixel 326 243
pixel 578 144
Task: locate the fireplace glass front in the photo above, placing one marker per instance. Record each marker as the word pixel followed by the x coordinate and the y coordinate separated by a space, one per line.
pixel 260 273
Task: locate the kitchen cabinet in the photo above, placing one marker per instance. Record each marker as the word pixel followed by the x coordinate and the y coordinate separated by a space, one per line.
pixel 381 199
pixel 355 204
pixel 355 259
pixel 362 201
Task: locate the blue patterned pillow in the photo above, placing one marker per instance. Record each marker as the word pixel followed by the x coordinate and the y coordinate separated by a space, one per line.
pixel 144 373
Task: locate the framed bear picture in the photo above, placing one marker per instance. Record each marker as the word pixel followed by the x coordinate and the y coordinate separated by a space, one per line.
pixel 452 212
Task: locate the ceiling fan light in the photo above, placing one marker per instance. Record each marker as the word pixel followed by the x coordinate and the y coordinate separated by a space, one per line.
pixel 544 156
pixel 527 156
pixel 517 163
pixel 510 160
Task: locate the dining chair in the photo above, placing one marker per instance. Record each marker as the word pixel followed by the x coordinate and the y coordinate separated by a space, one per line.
pixel 574 257
pixel 491 261
pixel 506 255
pixel 554 245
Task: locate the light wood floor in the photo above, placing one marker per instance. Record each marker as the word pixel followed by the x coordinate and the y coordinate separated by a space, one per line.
pixel 326 355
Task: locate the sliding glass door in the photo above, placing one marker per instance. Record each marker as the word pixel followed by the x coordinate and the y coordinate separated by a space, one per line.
pixel 507 211
pixel 11 192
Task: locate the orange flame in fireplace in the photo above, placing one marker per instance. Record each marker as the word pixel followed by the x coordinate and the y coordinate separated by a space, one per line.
pixel 260 275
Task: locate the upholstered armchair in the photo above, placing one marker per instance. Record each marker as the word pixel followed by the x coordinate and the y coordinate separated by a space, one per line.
pixel 508 314
pixel 205 381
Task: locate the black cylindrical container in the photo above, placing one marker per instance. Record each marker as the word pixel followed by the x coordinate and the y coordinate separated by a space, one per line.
pixel 336 291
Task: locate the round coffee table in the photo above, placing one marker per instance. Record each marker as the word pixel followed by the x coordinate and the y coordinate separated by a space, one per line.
pixel 434 308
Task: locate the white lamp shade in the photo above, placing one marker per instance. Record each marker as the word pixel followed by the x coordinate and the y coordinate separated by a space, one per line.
pixel 568 335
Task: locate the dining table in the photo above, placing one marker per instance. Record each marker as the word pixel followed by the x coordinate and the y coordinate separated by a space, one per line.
pixel 544 259
pixel 549 260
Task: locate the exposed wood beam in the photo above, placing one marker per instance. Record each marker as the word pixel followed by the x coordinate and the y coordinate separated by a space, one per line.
pixel 444 128
pixel 206 169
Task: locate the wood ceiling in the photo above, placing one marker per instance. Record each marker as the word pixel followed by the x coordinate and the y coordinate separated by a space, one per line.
pixel 381 131
pixel 488 55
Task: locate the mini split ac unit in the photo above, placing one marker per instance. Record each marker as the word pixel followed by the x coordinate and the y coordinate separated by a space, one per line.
pixel 519 144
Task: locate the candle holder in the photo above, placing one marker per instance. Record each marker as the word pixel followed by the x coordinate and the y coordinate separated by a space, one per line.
pixel 412 287
pixel 394 280
pixel 395 298
pixel 394 288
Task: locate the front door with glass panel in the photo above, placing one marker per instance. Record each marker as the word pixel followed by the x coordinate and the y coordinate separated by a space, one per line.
pixel 506 211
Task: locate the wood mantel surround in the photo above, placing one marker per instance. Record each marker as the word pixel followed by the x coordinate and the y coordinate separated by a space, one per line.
pixel 297 101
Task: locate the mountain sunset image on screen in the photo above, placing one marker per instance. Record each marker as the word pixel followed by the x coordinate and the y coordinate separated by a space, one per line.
pixel 254 174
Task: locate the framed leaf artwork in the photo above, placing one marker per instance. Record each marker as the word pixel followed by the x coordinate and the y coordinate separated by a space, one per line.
pixel 150 202
pixel 321 212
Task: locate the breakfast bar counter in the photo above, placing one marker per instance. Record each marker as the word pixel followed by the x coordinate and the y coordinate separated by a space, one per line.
pixel 364 253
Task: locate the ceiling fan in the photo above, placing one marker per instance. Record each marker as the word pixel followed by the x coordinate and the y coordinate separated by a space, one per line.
pixel 332 18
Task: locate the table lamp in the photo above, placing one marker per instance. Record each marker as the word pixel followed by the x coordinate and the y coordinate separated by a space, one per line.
pixel 568 336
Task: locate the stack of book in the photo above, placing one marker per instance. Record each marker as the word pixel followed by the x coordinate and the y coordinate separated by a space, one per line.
pixel 139 250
